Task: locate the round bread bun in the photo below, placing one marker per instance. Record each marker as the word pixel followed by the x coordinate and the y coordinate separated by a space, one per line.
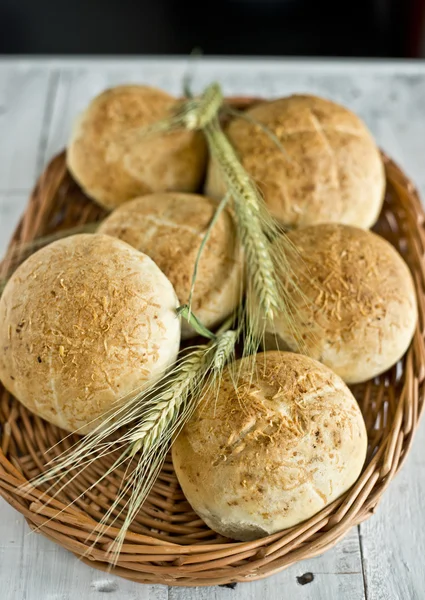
pixel 113 162
pixel 84 322
pixel 356 302
pixel 169 227
pixel 274 451
pixel 327 169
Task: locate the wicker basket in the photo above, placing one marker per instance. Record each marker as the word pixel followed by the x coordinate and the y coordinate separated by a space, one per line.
pixel 168 543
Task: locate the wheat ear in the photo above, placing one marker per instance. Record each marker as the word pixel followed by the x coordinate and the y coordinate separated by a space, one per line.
pixel 192 114
pixel 151 419
pixel 150 439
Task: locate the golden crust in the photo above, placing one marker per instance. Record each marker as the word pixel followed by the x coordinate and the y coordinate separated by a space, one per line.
pixel 356 301
pixel 169 227
pixel 83 322
pixel 113 166
pixel 331 170
pixel 273 452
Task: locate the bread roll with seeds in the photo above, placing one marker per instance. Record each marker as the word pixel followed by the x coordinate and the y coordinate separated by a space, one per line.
pixel 356 302
pixel 113 163
pixel 83 323
pixel 169 227
pixel 330 169
pixel 275 451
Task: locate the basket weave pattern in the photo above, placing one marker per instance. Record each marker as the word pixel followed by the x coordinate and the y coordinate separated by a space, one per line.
pixel 168 543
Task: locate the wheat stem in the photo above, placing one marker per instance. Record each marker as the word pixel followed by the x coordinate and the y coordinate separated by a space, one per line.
pixel 185 312
pixel 248 208
pixel 188 76
pixel 213 221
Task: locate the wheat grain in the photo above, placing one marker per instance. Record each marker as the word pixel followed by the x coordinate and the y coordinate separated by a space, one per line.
pixel 204 241
pixel 224 350
pixel 150 432
pixel 267 248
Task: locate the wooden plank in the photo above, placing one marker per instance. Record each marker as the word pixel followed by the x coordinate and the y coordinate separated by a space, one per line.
pixel 393 540
pixel 269 66
pixel 337 575
pixel 42 569
pixel 23 93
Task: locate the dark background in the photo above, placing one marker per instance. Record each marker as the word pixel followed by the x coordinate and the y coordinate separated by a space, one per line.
pixel 362 28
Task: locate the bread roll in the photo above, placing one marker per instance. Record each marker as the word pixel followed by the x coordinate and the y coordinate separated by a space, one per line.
pixel 272 453
pixel 83 322
pixel 330 169
pixel 356 302
pixel 113 165
pixel 169 227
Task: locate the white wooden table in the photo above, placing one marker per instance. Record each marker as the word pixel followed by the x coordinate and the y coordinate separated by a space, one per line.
pixel 383 559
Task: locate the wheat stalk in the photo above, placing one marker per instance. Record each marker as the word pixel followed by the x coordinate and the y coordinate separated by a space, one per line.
pixel 265 246
pixel 157 420
pixel 255 225
pixel 250 220
pixel 197 113
pixel 152 419
pixel 151 439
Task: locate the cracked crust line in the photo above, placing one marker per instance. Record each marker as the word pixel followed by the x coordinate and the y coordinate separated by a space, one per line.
pixel 321 132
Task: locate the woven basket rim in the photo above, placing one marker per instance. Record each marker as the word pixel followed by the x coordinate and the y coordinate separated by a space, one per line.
pixel 221 562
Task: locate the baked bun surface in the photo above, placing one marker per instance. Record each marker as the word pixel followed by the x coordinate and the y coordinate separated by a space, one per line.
pixel 356 302
pixel 113 162
pixel 326 169
pixel 272 453
pixel 169 227
pixel 84 322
